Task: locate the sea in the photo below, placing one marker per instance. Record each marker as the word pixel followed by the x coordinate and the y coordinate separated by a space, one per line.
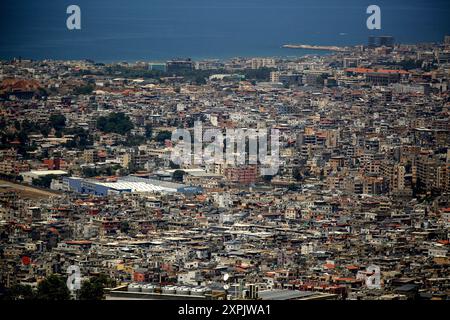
pixel 158 30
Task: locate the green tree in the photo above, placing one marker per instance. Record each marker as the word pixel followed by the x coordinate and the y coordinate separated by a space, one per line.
pixel 84 89
pixel 94 288
pixel 91 290
pixel 81 138
pixel 261 74
pixel 19 292
pixel 296 174
pixel 178 175
pixel 322 174
pixel 42 93
pixel 45 130
pixel 199 80
pixel 148 131
pixel 163 136
pixel 124 226
pixel 173 165
pixel 115 122
pixel 44 181
pixel 134 140
pixel 53 287
pixel 57 121
pixel 89 172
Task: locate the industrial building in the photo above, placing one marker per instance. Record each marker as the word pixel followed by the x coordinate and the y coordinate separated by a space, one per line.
pixel 126 184
pixel 29 176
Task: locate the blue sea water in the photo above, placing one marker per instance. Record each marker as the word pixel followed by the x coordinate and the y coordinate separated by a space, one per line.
pixel 151 30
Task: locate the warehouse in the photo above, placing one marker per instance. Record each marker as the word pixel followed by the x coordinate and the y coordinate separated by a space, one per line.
pixel 29 176
pixel 126 184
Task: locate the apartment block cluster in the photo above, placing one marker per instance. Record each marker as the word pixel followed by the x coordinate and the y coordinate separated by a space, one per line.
pixel 363 182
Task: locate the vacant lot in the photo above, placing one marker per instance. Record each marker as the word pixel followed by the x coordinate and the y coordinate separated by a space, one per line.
pixel 29 192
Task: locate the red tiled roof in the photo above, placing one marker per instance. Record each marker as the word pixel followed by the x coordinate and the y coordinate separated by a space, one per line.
pixel 352 267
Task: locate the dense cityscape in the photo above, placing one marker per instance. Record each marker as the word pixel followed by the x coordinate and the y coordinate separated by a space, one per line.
pixel 358 210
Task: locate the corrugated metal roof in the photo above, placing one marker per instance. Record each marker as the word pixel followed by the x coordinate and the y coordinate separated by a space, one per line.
pixel 136 186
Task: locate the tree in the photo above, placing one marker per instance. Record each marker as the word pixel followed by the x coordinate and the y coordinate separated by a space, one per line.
pixel 124 226
pixel 261 74
pixel 93 289
pixel 19 292
pixel 45 131
pixel 296 174
pixel 115 122
pixel 89 172
pixel 44 181
pixel 42 93
pixel 148 131
pixel 199 80
pixel 134 140
pixel 322 174
pixel 178 175
pixel 81 138
pixel 57 121
pixel 53 287
pixel 163 136
pixel 84 89
pixel 173 165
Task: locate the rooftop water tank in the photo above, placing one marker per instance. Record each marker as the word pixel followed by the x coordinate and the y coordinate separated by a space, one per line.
pixel 148 288
pixel 169 290
pixel 134 287
pixel 184 290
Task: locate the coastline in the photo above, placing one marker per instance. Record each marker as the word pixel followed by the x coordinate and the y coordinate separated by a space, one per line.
pixel 315 47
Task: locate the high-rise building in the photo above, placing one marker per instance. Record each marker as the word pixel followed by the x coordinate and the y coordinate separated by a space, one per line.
pixel 257 63
pixel 90 156
pixel 275 76
pixel 180 65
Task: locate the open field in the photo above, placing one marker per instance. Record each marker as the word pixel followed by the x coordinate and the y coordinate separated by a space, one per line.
pixel 28 191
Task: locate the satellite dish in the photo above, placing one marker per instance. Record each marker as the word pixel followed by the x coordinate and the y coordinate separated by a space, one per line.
pixel 226 287
pixel 226 276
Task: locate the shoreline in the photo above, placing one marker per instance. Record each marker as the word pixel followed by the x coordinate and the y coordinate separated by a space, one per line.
pixel 315 47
